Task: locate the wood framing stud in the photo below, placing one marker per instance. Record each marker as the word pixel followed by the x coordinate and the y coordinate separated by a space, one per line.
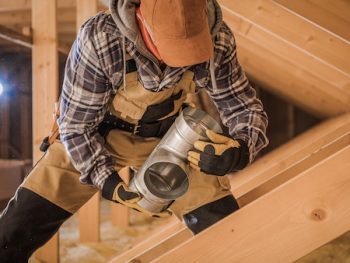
pixel 4 127
pixel 89 220
pixel 89 214
pixel 45 89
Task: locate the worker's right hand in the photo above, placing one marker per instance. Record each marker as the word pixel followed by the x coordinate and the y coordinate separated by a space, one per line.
pixel 123 195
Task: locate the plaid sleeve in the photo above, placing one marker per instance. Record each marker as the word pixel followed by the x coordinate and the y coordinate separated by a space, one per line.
pixel 84 100
pixel 235 99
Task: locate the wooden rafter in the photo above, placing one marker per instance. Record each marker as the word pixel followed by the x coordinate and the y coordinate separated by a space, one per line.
pixel 285 224
pixel 267 173
pixel 286 69
pixel 279 165
pixel 295 30
pixel 330 14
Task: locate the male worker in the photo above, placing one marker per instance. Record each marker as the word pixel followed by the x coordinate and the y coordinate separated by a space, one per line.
pixel 126 79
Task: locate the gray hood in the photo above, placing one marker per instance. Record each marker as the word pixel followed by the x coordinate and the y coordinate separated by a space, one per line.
pixel 123 13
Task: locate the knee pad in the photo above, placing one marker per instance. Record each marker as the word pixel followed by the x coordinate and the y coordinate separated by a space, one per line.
pixel 208 214
pixel 26 224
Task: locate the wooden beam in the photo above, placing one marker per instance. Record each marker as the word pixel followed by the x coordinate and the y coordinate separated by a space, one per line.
pixel 15 37
pixel 63 48
pixel 13 18
pixel 26 5
pixel 85 10
pixel 14 5
pixel 45 89
pixel 24 17
pixel 5 125
pixel 182 235
pixel 293 171
pixel 291 81
pixel 268 172
pixel 159 249
pixel 67 28
pixel 295 30
pixel 120 214
pixel 291 154
pixel 26 114
pixel 25 40
pixel 288 71
pixel 330 14
pixel 67 38
pixel 284 225
pixel 45 69
pixel 89 220
pixel 89 214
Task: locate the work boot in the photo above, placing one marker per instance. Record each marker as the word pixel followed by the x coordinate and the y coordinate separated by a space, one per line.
pixel 26 224
pixel 208 214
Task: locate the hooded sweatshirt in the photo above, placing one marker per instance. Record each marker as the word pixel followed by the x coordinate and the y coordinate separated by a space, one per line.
pixel 95 70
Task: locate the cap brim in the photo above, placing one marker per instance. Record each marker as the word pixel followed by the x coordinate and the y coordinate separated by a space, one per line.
pixel 181 52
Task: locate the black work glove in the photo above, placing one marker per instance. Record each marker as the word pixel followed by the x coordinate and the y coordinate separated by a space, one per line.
pixel 123 195
pixel 220 156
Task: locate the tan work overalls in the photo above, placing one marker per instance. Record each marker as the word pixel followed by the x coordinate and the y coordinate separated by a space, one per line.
pixel 55 178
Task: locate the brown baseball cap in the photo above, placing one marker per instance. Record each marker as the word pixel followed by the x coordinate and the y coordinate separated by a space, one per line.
pixel 180 30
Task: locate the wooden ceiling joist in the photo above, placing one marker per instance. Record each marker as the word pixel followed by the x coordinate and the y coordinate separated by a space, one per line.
pixel 285 68
pixel 293 220
pixel 264 175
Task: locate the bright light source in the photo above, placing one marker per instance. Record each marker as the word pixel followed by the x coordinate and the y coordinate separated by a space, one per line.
pixel 1 88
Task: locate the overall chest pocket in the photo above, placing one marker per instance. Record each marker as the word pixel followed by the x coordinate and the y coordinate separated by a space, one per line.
pixel 132 102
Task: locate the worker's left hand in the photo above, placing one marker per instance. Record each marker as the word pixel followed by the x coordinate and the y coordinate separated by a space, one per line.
pixel 220 156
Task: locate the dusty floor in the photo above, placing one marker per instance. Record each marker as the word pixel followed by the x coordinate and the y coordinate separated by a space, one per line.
pixel 115 240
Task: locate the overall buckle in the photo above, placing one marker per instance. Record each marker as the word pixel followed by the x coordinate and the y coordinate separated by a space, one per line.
pixel 136 129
